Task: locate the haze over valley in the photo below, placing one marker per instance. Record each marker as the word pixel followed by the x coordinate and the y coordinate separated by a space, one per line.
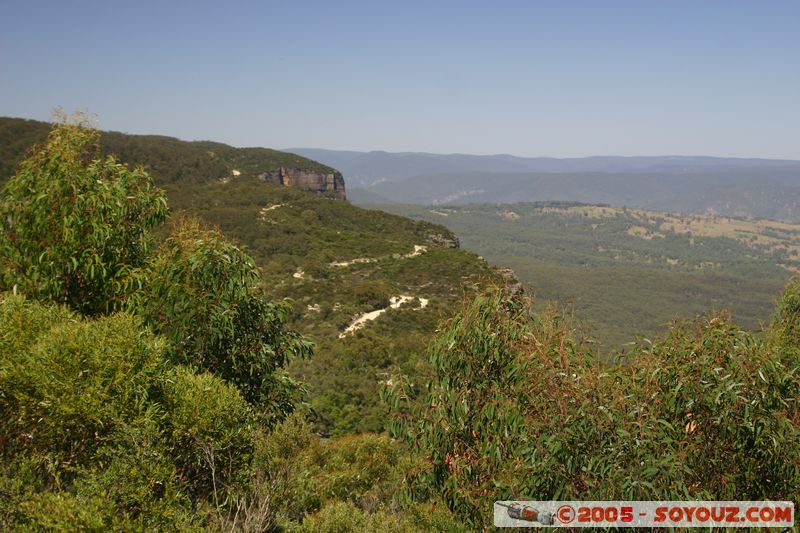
pixel 759 188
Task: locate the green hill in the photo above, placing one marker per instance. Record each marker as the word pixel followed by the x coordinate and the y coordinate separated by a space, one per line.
pixel 167 159
pixel 301 242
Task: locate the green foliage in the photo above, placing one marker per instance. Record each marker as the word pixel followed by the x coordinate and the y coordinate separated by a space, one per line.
pixel 68 511
pixel 105 426
pixel 342 517
pixel 786 321
pixel 16 138
pixel 730 404
pixel 299 481
pixel 72 385
pixel 202 293
pixel 287 231
pixel 363 469
pixel 210 432
pixel 64 512
pixel 99 431
pixel 140 482
pixel 344 374
pixel 79 422
pixel 371 295
pixel 517 410
pixel 618 284
pixel 73 224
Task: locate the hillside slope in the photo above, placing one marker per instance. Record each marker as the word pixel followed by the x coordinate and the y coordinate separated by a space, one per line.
pixel 338 263
pixel 387 278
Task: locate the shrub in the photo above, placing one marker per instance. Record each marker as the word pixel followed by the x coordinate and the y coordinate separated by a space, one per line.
pixel 137 482
pixel 296 474
pixel 73 382
pixel 785 327
pixel 363 469
pixel 726 407
pixel 99 432
pixel 209 428
pixel 64 512
pixel 81 444
pixel 371 295
pixel 342 517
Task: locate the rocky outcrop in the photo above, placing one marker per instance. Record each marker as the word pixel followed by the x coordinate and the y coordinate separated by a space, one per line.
pixel 444 241
pixel 331 184
pixel 514 287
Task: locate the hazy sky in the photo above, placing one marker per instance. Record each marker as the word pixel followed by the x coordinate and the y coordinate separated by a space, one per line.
pixel 558 78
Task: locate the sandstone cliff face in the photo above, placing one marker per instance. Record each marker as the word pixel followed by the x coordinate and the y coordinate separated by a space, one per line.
pixel 444 241
pixel 306 180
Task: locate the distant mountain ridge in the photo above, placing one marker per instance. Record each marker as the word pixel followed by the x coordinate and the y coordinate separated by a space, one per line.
pixel 399 165
pixel 752 187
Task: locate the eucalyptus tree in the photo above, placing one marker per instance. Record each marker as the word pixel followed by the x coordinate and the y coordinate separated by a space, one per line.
pixel 74 225
pixel 203 293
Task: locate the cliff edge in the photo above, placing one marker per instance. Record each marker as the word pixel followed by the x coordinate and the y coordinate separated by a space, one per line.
pixel 329 184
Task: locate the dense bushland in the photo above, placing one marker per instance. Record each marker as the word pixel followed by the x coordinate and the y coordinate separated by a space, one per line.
pixel 203 293
pixel 168 159
pixel 151 394
pixel 518 410
pixel 344 375
pixel 99 432
pixel 286 232
pixel 140 385
pixel 627 272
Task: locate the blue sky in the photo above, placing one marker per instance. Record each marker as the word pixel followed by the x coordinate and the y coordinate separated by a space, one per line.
pixel 560 78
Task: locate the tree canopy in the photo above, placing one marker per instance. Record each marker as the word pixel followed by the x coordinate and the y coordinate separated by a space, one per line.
pixel 74 224
pixel 203 293
pixel 518 410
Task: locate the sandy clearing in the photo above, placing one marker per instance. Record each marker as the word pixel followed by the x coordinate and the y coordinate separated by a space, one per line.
pixel 394 303
pixel 353 261
pixel 262 213
pixel 418 250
